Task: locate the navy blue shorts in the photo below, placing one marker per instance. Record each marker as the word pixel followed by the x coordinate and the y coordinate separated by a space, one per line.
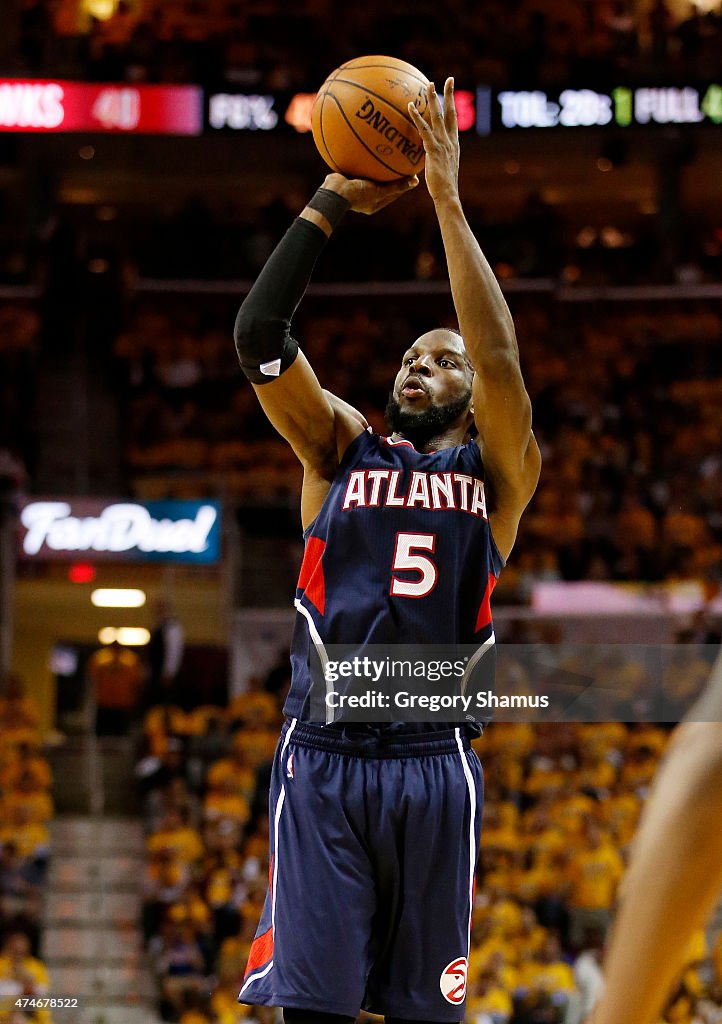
pixel 372 875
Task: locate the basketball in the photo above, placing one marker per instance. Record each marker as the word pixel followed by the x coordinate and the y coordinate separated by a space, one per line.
pixel 360 119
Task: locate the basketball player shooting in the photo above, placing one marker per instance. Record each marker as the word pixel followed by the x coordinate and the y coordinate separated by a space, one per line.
pixel 375 828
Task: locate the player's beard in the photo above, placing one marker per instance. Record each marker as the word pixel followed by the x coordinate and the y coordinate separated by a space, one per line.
pixel 420 427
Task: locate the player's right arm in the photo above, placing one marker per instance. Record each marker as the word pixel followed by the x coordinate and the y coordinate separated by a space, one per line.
pixel 501 405
pixel 318 428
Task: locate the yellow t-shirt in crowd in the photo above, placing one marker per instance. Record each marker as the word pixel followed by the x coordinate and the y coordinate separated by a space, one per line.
pixel 37 767
pixel 184 843
pixel 602 735
pixel 243 777
pixel 39 804
pixel 594 876
pixel 600 775
pixel 225 1005
pixel 495 1001
pixel 554 977
pixel 226 805
pixel 620 812
pixel 30 840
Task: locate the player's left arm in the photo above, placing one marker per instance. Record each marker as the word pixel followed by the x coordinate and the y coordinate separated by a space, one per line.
pixel 502 410
pixel 674 878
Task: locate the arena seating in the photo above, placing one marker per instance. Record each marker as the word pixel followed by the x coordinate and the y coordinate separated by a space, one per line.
pixel 614 388
pixel 274 45
pixel 26 808
pixel 562 805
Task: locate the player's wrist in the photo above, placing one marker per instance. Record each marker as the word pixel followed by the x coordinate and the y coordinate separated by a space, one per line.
pixel 330 202
pixel 447 197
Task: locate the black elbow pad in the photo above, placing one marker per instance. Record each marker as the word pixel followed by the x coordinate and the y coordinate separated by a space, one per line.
pixel 265 347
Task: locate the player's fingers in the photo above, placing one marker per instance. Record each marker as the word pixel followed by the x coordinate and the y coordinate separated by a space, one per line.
pixel 450 120
pixel 398 187
pixel 415 115
pixel 394 189
pixel 422 125
pixel 434 105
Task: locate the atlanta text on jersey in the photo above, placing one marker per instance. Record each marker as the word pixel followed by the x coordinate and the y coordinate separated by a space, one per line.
pixel 370 488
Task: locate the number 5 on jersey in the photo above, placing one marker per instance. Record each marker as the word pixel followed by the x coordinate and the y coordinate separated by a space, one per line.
pixel 408 559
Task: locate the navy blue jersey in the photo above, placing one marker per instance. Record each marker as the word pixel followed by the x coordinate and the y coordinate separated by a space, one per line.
pixel 400 553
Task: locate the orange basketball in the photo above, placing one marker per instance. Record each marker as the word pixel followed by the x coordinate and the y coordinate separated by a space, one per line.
pixel 360 119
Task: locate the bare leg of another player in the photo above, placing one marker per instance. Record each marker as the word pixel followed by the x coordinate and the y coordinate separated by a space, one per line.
pixel 675 874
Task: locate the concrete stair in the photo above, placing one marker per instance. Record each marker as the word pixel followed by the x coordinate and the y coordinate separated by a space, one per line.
pixel 95 776
pixel 92 942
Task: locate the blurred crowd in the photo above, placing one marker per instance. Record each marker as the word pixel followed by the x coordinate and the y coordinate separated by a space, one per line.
pixel 280 46
pixel 207 240
pixel 205 774
pixel 562 805
pixel 211 238
pixel 26 807
pixel 626 403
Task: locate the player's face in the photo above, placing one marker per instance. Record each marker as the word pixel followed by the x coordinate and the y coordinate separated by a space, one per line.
pixel 434 371
pixel 432 390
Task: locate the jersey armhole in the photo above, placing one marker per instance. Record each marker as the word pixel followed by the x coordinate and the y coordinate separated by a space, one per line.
pixel 352 452
pixel 500 562
pixel 496 554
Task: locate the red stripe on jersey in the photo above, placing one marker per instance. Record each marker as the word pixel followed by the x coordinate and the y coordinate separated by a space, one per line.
pixel 310 578
pixel 261 951
pixel 484 616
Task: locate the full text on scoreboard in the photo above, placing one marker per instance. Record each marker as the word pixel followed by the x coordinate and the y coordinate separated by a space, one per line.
pixel 124 108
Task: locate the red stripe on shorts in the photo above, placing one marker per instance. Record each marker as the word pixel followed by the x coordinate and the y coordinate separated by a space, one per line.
pixel 261 951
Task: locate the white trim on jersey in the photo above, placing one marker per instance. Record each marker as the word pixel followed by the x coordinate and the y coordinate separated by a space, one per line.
pixel 472 831
pixel 321 650
pixel 475 659
pixel 402 440
pixel 257 975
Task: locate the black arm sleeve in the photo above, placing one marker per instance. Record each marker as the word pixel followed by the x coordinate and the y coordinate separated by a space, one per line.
pixel 263 326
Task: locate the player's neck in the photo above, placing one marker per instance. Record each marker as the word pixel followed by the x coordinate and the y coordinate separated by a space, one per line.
pixel 451 438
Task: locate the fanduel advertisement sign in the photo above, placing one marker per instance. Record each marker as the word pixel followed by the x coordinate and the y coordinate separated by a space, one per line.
pixel 152 531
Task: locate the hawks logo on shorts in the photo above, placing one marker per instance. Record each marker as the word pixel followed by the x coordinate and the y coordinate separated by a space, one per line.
pixel 453 981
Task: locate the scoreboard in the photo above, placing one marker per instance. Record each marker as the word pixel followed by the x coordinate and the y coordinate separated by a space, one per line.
pixel 60 106
pixel 32 105
pixel 622 106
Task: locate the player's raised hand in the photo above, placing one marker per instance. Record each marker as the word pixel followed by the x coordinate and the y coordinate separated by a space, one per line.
pixel 440 137
pixel 369 196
